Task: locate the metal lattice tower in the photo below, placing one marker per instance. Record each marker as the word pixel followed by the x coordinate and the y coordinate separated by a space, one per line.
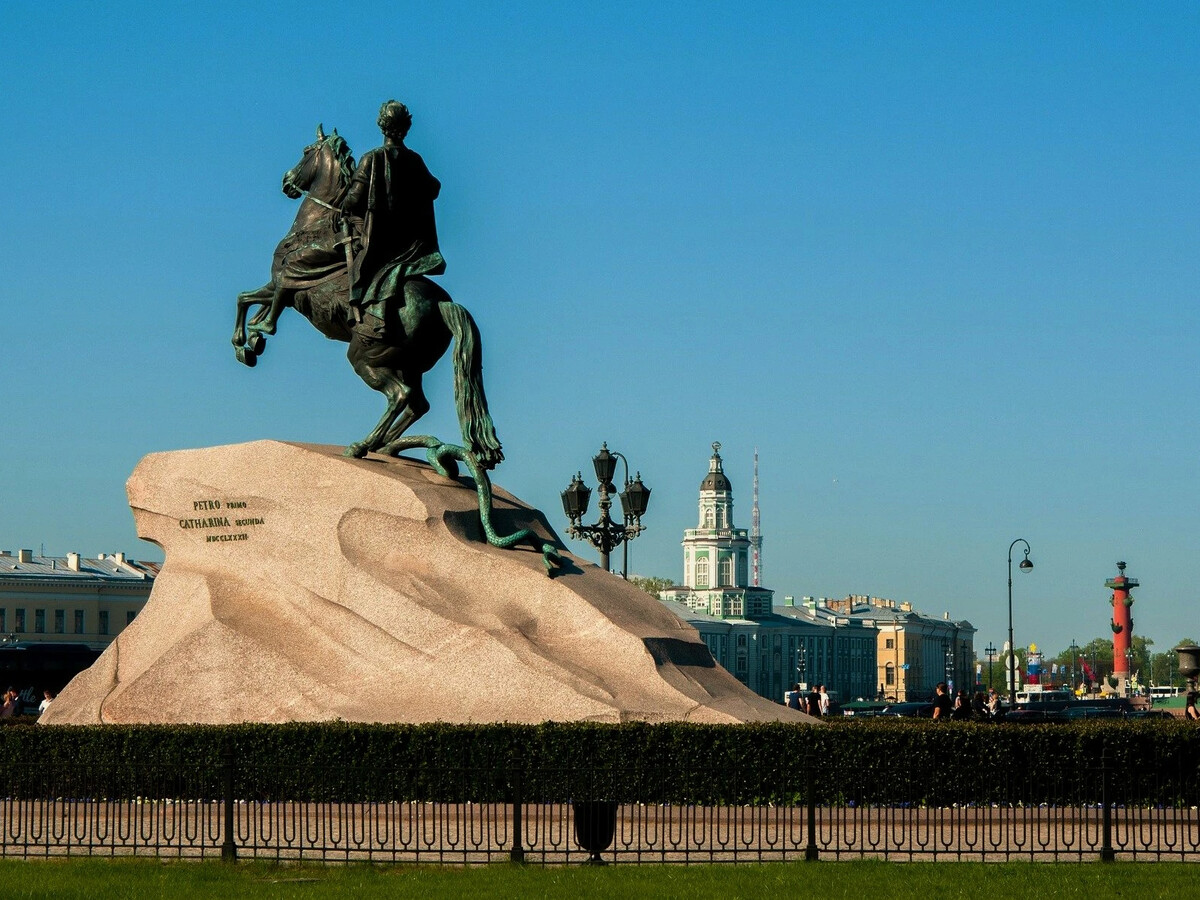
pixel 756 532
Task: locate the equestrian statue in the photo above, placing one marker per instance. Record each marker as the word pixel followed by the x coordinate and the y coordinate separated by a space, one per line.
pixel 357 263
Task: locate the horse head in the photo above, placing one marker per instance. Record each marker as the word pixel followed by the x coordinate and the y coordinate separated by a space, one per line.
pixel 324 168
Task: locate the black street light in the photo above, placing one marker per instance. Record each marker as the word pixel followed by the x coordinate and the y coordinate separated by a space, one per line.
pixel 607 534
pixel 950 673
pixel 1025 566
pixel 801 671
pixel 990 650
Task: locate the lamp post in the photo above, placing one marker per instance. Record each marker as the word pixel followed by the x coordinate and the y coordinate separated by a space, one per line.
pixel 1024 566
pixel 1189 663
pixel 990 650
pixel 607 534
pixel 1074 651
pixel 801 673
pixel 949 654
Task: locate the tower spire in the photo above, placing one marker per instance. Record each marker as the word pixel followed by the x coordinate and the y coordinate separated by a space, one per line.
pixel 756 531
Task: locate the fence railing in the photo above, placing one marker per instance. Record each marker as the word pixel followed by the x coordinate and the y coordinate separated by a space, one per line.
pixel 614 813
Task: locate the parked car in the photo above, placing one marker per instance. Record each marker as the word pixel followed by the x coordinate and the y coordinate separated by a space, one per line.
pixel 863 709
pixel 915 709
pixel 1025 716
pixel 1154 714
pixel 1092 712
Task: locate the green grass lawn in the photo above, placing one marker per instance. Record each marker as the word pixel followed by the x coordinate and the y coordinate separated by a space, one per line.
pixel 150 878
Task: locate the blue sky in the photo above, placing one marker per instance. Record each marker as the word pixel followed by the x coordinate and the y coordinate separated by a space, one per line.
pixel 937 262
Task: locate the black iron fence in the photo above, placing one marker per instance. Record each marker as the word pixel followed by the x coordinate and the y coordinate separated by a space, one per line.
pixel 1058 809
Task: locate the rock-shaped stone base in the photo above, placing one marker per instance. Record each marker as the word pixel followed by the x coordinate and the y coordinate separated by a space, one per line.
pixel 303 586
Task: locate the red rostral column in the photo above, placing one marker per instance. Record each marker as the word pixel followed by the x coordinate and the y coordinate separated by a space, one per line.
pixel 1122 621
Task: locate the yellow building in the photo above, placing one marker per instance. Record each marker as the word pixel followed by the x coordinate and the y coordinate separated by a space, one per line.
pixel 70 600
pixel 915 651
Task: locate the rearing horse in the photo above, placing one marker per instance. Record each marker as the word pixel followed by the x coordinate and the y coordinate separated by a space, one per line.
pixel 308 274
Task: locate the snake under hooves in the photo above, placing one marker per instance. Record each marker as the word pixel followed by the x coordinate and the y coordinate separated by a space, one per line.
pixel 444 459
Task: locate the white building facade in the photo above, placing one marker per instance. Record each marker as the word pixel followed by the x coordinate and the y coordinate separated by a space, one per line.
pixel 767 648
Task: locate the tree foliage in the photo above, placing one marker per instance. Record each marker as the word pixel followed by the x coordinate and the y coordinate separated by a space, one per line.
pixel 651 584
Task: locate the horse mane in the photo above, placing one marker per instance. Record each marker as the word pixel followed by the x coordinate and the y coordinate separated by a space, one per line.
pixel 341 152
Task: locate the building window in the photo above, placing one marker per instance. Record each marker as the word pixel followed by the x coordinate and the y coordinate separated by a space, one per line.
pixel 104 621
pixel 39 621
pixel 725 572
pixel 79 621
pixel 890 643
pixel 20 621
pixel 129 616
pixel 708 517
pixel 889 675
pixel 60 621
pixel 702 572
pixel 4 619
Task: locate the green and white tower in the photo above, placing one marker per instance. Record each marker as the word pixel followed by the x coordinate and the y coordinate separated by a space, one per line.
pixel 716 555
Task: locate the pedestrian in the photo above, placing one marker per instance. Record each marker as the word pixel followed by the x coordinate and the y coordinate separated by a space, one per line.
pixel 979 710
pixel 824 700
pixel 47 696
pixel 9 708
pixel 792 699
pixel 1189 710
pixel 962 707
pixel 995 710
pixel 814 701
pixel 942 708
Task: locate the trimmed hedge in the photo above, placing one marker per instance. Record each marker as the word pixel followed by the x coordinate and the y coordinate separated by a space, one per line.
pixel 862 762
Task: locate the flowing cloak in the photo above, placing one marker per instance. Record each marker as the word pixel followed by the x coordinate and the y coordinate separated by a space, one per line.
pixel 393 192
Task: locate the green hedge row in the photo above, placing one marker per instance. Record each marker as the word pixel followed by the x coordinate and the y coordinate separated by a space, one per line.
pixel 861 762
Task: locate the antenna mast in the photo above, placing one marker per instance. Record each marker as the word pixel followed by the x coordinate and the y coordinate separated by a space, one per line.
pixel 756 531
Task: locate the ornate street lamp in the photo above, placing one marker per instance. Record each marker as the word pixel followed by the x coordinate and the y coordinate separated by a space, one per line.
pixel 990 650
pixel 607 534
pixel 1189 663
pixel 1025 566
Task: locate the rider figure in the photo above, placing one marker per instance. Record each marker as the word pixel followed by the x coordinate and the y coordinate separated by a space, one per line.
pixel 391 195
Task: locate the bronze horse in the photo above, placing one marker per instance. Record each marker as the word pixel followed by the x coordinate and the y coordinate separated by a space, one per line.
pixel 308 274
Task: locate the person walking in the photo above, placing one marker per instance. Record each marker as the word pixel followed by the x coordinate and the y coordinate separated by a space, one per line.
pixel 942 708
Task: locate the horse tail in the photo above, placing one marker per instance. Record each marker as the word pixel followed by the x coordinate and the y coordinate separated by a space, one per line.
pixel 478 431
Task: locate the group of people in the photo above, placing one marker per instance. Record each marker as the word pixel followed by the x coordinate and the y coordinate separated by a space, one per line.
pixel 815 702
pixel 11 704
pixel 960 708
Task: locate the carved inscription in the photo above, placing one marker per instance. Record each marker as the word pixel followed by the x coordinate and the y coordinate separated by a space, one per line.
pixel 218 519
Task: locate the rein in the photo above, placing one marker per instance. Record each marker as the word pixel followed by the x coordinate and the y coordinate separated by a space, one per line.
pixel 320 202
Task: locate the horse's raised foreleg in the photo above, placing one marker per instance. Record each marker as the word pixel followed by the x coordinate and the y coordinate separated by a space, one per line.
pixel 264 322
pixel 260 297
